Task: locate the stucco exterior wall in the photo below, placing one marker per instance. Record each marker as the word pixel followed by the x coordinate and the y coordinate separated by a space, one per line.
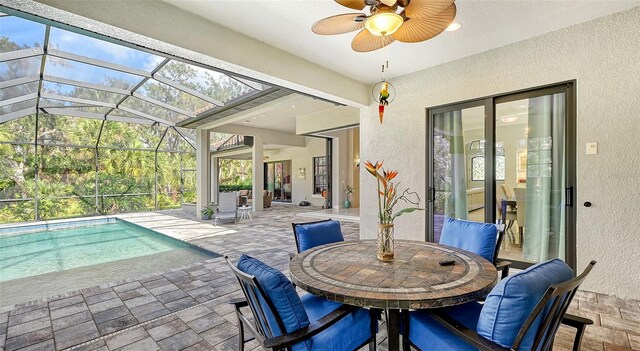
pixel 603 56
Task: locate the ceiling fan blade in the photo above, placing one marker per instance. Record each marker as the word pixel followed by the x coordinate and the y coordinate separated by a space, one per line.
pixel 426 8
pixel 352 4
pixel 365 41
pixel 339 24
pixel 415 30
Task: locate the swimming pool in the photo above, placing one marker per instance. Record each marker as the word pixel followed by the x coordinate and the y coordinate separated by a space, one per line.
pixel 60 257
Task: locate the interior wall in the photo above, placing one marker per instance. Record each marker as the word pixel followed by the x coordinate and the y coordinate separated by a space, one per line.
pixel 602 56
pixel 301 157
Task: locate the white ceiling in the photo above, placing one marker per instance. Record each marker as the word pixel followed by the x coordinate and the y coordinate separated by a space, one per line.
pixel 282 117
pixel 286 24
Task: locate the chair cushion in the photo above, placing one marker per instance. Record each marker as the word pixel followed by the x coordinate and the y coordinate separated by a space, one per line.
pixel 310 235
pixel 479 238
pixel 347 334
pixel 281 293
pixel 514 298
pixel 428 334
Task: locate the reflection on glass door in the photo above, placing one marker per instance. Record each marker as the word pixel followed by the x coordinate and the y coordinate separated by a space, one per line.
pixel 278 180
pixel 458 165
pixel 531 196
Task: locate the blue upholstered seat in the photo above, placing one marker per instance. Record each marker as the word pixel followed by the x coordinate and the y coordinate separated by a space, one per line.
pixel 310 235
pixel 479 238
pixel 296 312
pixel 504 312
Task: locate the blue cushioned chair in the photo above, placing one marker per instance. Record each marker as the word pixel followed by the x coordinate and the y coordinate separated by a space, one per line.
pixel 312 234
pixel 523 312
pixel 483 239
pixel 284 321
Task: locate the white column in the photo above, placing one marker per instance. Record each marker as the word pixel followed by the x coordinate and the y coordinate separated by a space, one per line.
pixel 215 176
pixel 257 157
pixel 203 171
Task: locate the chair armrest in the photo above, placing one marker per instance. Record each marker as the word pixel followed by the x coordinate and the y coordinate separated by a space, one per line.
pixel 575 321
pixel 302 334
pixel 468 335
pixel 240 302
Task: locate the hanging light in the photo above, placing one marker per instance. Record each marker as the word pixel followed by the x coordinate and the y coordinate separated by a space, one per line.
pixel 383 23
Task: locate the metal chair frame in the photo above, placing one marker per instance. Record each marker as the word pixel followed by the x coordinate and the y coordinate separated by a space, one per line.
pixel 259 327
pixel 559 295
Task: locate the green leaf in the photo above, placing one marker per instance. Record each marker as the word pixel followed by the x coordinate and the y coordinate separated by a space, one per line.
pixel 406 210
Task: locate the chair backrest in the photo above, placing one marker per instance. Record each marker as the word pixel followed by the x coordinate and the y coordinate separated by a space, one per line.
pixel 521 205
pixel 311 234
pixel 479 238
pixel 524 311
pixel 271 318
pixel 499 196
pixel 508 191
pixel 227 202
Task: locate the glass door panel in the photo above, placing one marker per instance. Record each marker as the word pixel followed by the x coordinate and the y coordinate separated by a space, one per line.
pixel 278 180
pixel 457 141
pixel 531 176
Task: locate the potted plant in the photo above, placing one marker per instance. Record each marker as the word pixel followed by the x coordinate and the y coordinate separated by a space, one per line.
pixel 348 191
pixel 388 198
pixel 209 211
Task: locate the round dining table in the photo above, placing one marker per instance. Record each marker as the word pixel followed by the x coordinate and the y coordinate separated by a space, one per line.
pixel 349 272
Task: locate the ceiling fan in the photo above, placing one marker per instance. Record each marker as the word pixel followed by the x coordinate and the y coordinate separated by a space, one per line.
pixel 417 20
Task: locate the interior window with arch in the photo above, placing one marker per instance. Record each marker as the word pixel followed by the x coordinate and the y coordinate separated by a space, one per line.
pixel 477 162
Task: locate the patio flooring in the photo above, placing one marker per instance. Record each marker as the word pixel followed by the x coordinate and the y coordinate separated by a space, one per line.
pixel 186 308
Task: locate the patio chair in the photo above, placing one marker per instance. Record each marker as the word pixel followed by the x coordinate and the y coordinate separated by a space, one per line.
pixel 484 239
pixel 523 312
pixel 227 208
pixel 311 234
pixel 284 321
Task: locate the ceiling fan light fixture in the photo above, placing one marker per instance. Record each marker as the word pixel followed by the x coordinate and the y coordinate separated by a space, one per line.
pixel 454 26
pixel 383 23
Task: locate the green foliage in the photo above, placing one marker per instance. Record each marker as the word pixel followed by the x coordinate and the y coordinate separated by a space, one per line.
pixel 227 188
pixel 72 174
pixel 235 172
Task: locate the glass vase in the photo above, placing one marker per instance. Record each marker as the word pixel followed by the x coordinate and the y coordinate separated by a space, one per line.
pixel 385 242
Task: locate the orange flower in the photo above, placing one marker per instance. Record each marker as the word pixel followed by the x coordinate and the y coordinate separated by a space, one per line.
pixel 389 175
pixel 373 169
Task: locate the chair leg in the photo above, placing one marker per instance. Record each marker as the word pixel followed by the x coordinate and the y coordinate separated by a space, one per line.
pixel 577 342
pixel 504 273
pixel 406 346
pixel 240 335
pixel 521 233
pixel 374 324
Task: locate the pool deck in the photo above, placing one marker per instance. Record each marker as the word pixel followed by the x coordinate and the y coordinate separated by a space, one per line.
pixel 186 308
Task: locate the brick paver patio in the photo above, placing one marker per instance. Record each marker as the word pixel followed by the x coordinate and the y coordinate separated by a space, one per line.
pixel 186 308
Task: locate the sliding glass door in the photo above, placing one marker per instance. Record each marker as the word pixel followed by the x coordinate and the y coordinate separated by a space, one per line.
pixel 278 180
pixel 507 159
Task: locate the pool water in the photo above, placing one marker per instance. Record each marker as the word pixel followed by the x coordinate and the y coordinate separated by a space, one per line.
pixel 58 250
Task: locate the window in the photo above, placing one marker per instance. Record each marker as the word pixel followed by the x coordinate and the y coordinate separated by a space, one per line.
pixel 319 174
pixel 477 168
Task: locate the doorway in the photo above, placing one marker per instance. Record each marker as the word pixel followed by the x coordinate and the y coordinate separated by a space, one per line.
pixel 507 159
pixel 277 180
